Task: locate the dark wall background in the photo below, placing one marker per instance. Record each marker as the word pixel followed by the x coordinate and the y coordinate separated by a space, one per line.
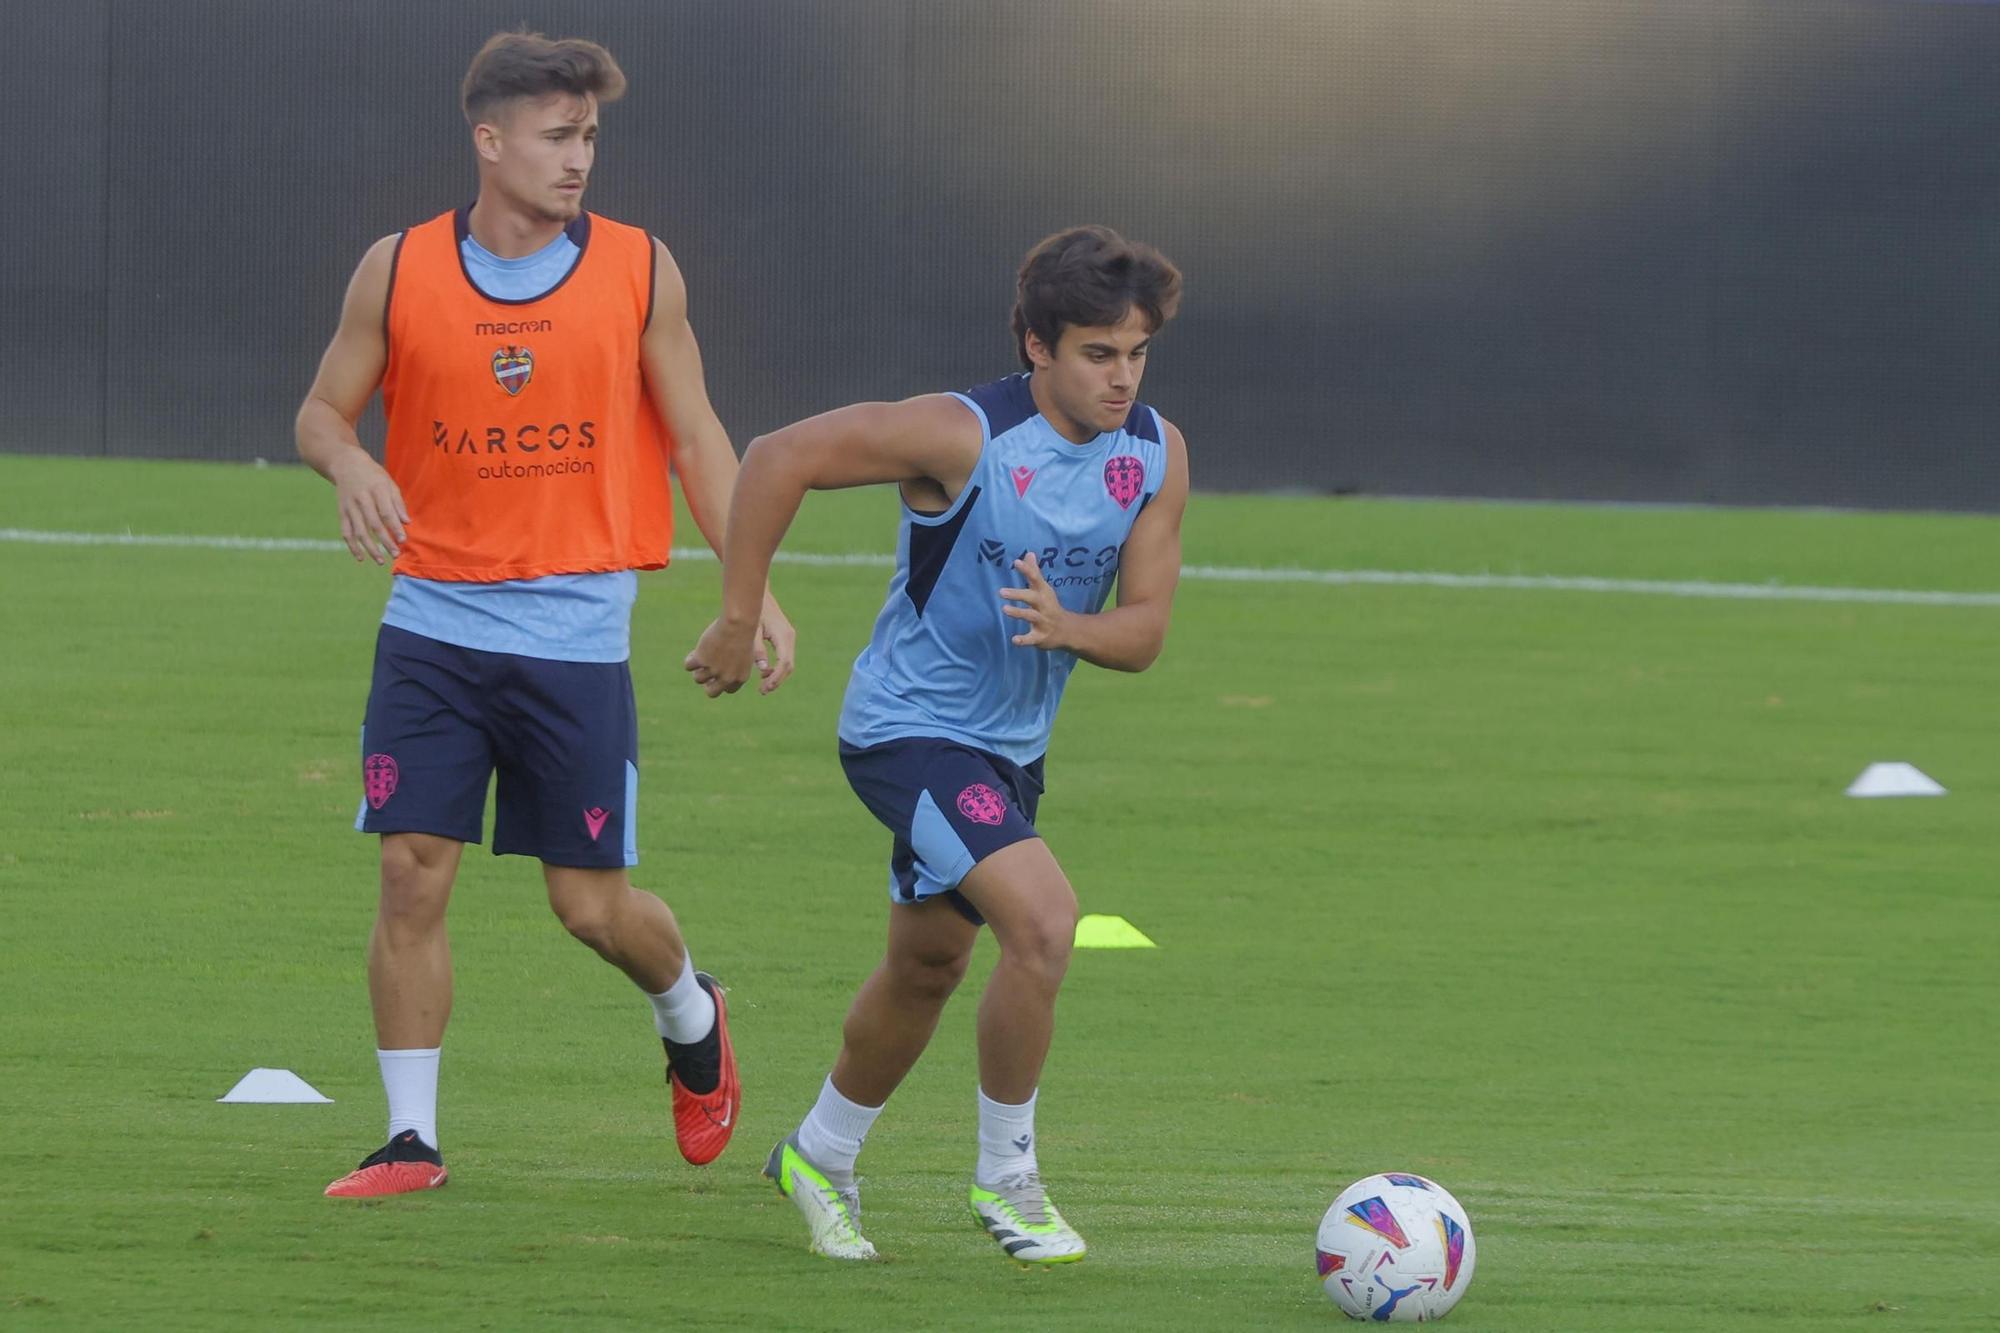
pixel 1704 250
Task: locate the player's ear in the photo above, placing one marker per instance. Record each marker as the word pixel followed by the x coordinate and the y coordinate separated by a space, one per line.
pixel 1039 352
pixel 486 141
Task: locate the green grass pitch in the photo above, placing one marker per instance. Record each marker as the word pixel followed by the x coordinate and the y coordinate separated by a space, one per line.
pixel 1552 896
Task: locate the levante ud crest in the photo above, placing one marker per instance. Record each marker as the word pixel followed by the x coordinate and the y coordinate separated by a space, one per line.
pixel 1124 477
pixel 513 367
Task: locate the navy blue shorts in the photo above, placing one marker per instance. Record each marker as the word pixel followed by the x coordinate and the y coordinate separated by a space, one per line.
pixel 950 807
pixel 563 736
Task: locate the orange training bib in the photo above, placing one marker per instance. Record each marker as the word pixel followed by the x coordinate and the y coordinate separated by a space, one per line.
pixel 521 433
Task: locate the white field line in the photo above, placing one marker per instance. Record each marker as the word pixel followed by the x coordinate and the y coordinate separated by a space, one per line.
pixel 1742 592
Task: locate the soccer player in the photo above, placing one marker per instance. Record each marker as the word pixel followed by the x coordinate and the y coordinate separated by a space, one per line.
pixel 1024 501
pixel 538 374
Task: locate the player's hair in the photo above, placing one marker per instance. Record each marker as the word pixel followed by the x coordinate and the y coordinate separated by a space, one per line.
pixel 1089 276
pixel 526 64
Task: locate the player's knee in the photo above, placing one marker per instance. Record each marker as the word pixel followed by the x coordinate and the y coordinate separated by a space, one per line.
pixel 591 918
pixel 414 887
pixel 1042 944
pixel 930 976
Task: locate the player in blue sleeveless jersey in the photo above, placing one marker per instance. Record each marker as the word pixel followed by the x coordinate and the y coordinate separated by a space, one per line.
pixel 1025 502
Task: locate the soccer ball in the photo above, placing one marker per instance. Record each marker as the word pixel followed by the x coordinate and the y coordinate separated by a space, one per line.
pixel 1395 1248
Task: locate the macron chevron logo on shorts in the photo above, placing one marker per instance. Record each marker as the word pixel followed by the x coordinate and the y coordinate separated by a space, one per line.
pixel 593 820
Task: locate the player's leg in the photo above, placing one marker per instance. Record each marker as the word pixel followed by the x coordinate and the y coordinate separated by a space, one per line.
pixel 898 1006
pixel 974 840
pixel 409 951
pixel 568 794
pixel 888 1025
pixel 1026 898
pixel 627 927
pixel 637 934
pixel 1024 895
pixel 409 988
pixel 426 763
pixel 931 928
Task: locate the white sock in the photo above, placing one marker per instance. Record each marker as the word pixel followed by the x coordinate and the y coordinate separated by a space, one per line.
pixel 683 1012
pixel 411 1080
pixel 1006 1139
pixel 832 1133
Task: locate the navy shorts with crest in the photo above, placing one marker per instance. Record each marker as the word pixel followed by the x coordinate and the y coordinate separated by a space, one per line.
pixel 950 806
pixel 562 736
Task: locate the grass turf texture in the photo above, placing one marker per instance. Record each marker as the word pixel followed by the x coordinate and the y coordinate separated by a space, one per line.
pixel 1551 896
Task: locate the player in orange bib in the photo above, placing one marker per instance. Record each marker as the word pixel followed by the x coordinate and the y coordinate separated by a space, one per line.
pixel 539 376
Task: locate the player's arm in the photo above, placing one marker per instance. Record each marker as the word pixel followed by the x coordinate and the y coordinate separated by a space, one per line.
pixel 1129 636
pixel 702 456
pixel 933 437
pixel 372 514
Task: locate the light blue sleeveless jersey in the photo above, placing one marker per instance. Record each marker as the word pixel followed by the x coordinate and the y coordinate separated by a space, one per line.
pixel 942 662
pixel 559 617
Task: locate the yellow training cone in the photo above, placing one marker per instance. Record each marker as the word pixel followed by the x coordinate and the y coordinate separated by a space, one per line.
pixel 1110 932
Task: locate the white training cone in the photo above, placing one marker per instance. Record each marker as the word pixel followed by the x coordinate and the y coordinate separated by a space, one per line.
pixel 272 1085
pixel 1894 780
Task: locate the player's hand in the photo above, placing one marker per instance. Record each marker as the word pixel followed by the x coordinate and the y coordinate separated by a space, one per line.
pixel 774 632
pixel 372 513
pixel 1036 604
pixel 724 658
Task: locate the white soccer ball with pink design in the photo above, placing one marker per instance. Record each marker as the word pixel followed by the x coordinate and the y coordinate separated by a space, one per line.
pixel 1395 1248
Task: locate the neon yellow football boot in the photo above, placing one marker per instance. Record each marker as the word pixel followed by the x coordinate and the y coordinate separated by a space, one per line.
pixel 1017 1213
pixel 833 1215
